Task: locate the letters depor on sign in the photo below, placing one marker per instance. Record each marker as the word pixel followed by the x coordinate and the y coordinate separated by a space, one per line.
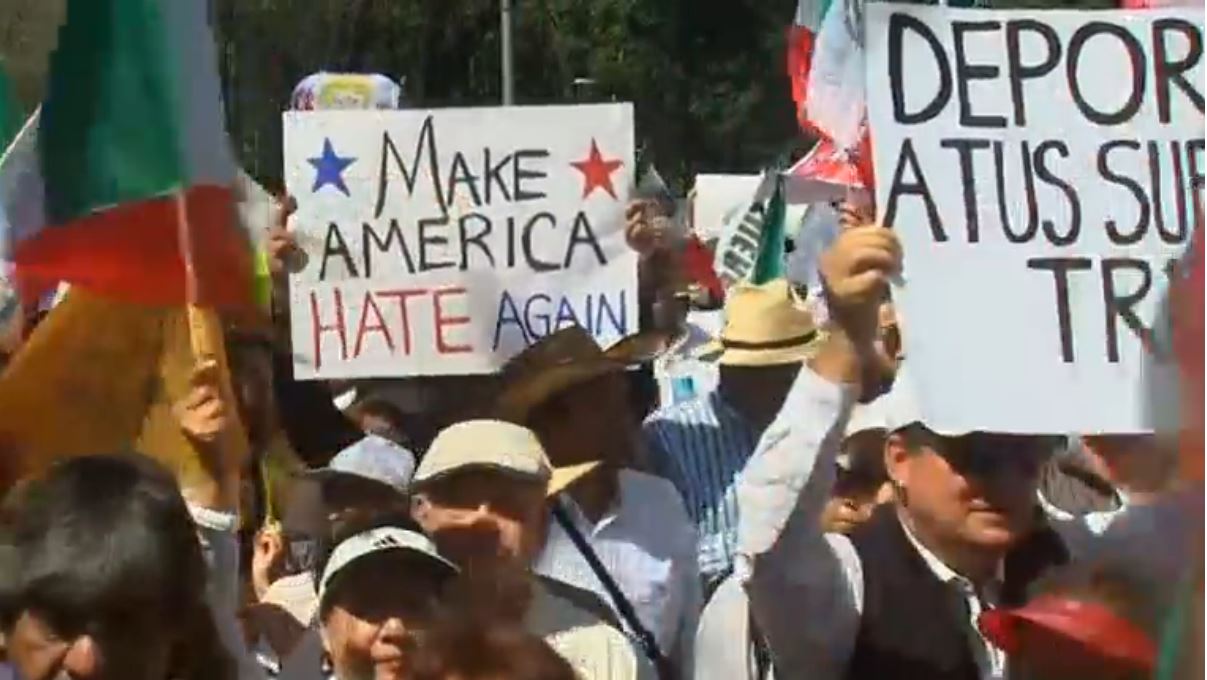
pixel 1045 171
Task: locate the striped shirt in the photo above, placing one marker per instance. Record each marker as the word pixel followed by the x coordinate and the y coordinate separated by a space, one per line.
pixel 701 446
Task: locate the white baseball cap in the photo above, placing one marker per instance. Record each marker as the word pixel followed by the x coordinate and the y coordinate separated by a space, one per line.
pixel 375 541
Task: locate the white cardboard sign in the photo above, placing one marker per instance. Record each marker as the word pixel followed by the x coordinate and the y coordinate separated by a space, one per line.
pixel 445 241
pixel 1043 170
pixel 738 245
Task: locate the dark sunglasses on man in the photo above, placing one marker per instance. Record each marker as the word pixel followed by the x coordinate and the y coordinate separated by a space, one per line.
pixel 983 454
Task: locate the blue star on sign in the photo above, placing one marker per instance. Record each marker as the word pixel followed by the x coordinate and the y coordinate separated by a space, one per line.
pixel 329 169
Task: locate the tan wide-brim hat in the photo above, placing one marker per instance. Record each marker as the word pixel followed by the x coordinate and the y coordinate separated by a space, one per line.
pixel 765 325
pixel 564 359
pixel 498 446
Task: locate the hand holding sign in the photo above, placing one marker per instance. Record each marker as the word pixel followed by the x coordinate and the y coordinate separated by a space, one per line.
pixel 855 273
pixel 856 212
pixel 855 270
pixel 645 232
pixel 284 256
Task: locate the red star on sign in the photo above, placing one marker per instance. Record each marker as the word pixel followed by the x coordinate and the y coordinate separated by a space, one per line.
pixel 597 173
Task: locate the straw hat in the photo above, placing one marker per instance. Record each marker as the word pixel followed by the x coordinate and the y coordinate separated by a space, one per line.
pixel 765 325
pixel 564 359
pixel 494 445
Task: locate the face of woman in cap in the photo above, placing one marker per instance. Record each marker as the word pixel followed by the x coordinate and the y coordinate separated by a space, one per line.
pixel 376 609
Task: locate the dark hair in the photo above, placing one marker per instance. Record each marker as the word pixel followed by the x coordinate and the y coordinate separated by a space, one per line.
pixel 467 651
pixel 358 524
pixel 400 428
pixel 102 541
pixel 857 484
pixel 377 406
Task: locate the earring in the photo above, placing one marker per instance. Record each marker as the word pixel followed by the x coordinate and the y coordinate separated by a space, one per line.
pixel 326 665
pixel 899 491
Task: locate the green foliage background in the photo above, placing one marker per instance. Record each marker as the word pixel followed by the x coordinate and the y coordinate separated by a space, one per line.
pixel 707 77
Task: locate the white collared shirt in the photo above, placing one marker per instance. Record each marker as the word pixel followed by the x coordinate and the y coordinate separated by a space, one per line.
pixel 990 661
pixel 648 546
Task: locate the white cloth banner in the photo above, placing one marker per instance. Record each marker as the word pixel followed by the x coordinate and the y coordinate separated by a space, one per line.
pixel 1043 170
pixel 445 241
pixel 738 244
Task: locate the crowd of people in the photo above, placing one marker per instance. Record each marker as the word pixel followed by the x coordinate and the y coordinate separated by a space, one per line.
pixel 795 518
pixel 798 521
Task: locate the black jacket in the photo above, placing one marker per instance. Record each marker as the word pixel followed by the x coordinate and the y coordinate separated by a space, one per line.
pixel 911 627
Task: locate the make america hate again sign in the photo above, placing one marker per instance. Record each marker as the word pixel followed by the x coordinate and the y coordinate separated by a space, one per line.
pixel 445 241
pixel 1044 171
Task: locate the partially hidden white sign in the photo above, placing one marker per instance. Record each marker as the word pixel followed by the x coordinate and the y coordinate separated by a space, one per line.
pixel 1044 171
pixel 445 241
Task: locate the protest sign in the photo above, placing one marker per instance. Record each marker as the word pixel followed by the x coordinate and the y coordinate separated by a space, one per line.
pixel 445 241
pixel 738 245
pixel 1043 170
pixel 716 198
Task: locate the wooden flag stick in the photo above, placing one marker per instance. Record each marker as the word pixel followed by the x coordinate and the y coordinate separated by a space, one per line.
pixel 208 346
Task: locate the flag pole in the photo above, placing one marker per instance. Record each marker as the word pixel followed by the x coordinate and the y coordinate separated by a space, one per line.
pixel 206 337
pixel 201 328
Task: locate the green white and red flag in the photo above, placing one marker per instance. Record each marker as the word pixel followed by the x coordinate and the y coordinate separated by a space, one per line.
pixel 122 182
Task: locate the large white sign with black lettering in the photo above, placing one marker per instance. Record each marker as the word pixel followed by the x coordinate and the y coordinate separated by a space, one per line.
pixel 1044 171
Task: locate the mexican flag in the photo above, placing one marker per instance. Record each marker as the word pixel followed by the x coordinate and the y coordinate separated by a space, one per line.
pixel 122 184
pixel 770 262
pixel 826 70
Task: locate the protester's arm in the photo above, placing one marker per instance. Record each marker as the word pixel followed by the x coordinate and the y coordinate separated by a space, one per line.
pixel 204 416
pixel 315 428
pixel 284 256
pixel 806 587
pixel 218 533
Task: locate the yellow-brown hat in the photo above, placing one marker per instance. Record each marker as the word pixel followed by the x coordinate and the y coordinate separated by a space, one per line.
pixel 766 325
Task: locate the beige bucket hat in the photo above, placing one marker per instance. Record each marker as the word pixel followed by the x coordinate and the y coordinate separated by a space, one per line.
pixel 765 325
pixel 494 445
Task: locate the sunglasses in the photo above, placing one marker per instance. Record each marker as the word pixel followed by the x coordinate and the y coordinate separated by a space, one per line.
pixel 989 455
